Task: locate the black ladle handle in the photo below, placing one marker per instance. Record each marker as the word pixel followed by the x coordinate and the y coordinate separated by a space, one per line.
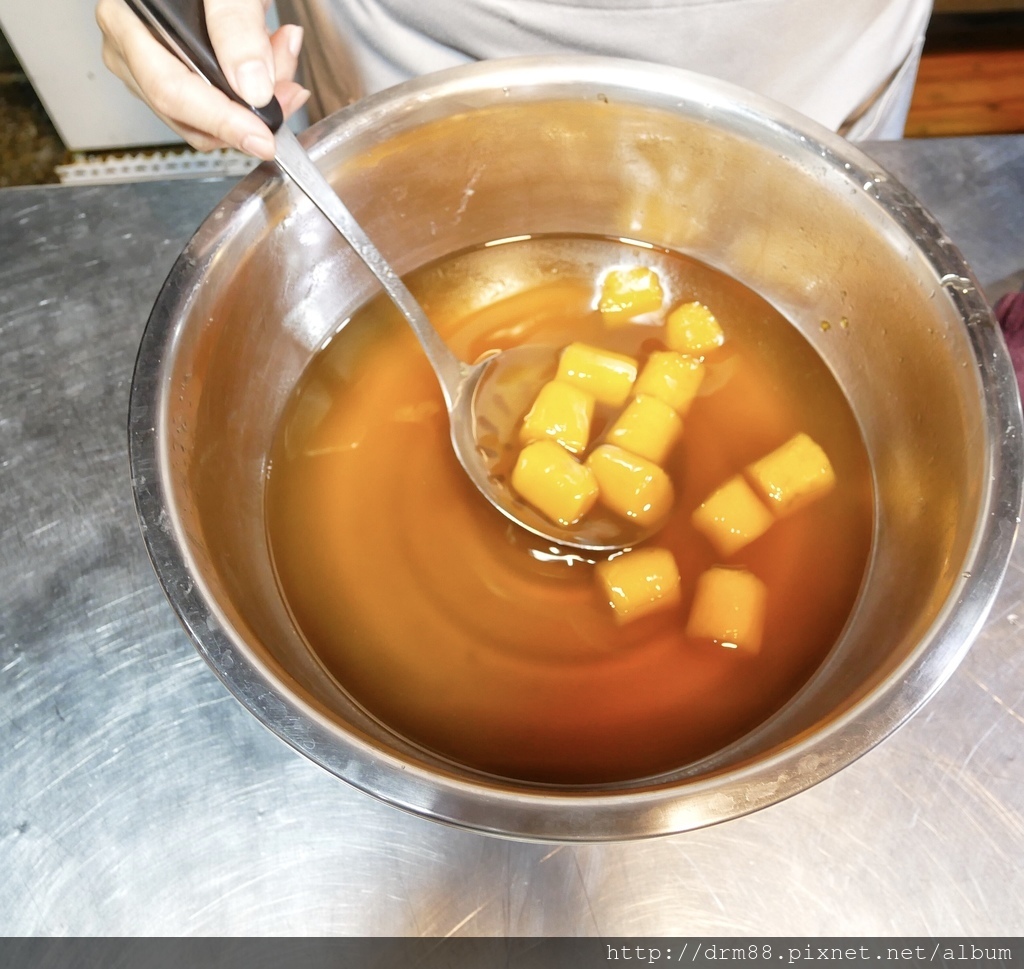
pixel 180 25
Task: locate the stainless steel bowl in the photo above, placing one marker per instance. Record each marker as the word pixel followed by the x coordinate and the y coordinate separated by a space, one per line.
pixel 618 149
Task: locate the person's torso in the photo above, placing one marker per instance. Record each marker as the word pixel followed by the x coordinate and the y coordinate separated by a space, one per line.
pixel 824 58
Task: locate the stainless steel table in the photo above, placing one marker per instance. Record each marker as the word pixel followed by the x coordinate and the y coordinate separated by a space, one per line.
pixel 137 796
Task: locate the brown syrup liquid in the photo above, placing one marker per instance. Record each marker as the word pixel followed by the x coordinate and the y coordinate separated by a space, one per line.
pixel 478 641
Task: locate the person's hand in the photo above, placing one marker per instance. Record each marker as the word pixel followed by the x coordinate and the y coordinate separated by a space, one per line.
pixel 257 65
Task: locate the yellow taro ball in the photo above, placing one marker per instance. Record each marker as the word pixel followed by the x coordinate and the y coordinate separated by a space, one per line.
pixel 793 475
pixel 692 328
pixel 728 607
pixel 671 377
pixel 631 486
pixel 647 427
pixel 608 376
pixel 562 413
pixel 631 292
pixel 554 482
pixel 732 516
pixel 639 582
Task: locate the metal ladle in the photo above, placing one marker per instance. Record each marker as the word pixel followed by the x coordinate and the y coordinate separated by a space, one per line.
pixel 181 26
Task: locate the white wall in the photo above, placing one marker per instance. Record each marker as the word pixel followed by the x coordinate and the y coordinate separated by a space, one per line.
pixel 58 45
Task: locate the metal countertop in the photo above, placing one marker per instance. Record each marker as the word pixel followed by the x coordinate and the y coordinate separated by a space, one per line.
pixel 137 797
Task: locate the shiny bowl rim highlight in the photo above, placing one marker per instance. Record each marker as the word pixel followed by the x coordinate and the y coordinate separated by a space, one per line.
pixel 547 812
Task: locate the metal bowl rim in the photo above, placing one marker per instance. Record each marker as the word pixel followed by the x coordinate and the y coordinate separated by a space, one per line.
pixel 547 813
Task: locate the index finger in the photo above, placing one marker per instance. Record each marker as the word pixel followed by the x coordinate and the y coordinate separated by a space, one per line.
pixel 238 31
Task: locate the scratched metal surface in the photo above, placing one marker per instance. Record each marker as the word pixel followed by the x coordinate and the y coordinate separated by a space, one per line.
pixel 137 797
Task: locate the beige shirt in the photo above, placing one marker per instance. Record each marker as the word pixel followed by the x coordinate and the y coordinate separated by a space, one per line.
pixel 849 64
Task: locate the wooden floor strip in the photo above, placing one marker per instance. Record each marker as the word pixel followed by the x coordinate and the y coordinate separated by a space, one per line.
pixel 968 92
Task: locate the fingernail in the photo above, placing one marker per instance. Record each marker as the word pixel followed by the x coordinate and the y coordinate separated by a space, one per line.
pixel 254 83
pixel 300 99
pixel 262 146
pixel 295 35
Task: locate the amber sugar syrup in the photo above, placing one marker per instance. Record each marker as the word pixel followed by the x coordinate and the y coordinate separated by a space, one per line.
pixel 484 644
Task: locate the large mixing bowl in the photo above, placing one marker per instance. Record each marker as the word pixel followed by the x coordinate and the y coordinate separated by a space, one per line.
pixel 615 149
